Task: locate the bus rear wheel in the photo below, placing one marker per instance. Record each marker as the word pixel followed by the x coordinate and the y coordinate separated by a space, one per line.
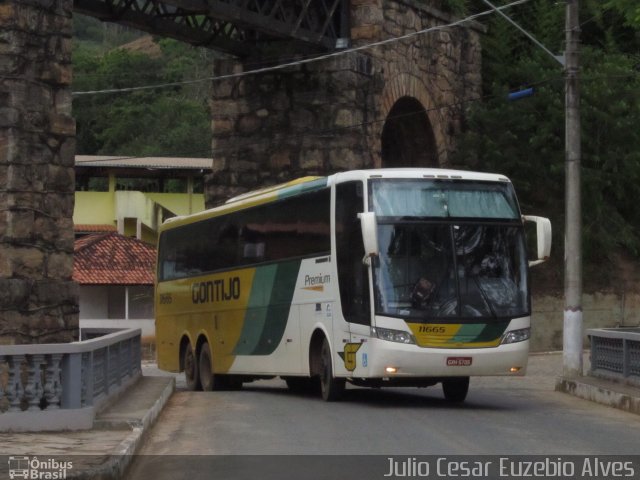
pixel 204 367
pixel 191 368
pixel 331 388
pixel 455 389
pixel 209 380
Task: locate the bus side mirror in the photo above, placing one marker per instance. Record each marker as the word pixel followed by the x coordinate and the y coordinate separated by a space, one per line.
pixel 369 227
pixel 543 234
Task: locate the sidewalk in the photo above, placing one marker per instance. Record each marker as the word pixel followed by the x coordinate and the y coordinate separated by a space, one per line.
pixel 106 451
pixel 603 391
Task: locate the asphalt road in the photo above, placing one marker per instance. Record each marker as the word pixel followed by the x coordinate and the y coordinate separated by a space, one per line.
pixel 198 432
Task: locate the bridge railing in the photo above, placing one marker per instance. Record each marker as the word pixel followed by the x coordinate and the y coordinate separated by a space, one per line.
pixel 615 354
pixel 61 386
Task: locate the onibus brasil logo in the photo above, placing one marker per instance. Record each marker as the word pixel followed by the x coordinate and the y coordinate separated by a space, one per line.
pixel 33 468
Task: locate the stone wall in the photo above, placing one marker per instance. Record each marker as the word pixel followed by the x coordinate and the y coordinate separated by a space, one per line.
pixel 38 300
pixel 327 116
pixel 600 309
pixel 286 124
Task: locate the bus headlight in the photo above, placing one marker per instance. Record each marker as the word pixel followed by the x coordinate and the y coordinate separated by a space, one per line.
pixel 515 336
pixel 391 335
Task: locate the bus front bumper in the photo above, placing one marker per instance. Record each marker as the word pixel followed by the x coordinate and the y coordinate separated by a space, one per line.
pixel 395 360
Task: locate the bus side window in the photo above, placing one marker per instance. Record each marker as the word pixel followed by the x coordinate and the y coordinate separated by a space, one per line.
pixel 169 267
pixel 352 274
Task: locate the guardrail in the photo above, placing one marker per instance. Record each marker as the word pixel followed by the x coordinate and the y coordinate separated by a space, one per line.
pixel 61 386
pixel 615 354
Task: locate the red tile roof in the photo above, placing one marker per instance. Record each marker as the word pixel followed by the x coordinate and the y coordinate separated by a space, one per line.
pixel 112 259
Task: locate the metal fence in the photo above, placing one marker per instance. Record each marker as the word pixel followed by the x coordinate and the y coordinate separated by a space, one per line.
pixel 615 353
pixel 61 386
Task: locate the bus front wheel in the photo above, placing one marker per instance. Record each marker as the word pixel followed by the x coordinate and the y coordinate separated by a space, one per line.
pixel 331 388
pixel 455 389
pixel 191 368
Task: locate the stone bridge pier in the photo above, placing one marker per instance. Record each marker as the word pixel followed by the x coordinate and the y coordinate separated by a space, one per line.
pixel 395 105
pixel 38 300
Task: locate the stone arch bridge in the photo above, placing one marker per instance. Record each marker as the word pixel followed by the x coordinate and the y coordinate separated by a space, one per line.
pixel 394 105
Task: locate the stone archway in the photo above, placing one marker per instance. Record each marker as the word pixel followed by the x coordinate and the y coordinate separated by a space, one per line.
pixel 406 100
pixel 407 136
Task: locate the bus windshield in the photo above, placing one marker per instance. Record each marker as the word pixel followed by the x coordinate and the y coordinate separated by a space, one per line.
pixel 419 198
pixel 433 266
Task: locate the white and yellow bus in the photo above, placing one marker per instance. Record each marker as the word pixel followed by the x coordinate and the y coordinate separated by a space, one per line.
pixel 388 277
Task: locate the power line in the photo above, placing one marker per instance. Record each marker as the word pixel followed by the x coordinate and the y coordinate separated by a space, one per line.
pixel 312 59
pixel 332 130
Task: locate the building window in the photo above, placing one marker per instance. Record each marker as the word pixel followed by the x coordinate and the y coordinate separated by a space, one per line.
pixel 132 302
pixel 138 184
pixel 140 302
pixel 174 185
pixel 92 184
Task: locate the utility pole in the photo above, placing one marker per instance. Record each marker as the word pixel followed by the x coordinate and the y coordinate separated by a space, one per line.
pixel 573 323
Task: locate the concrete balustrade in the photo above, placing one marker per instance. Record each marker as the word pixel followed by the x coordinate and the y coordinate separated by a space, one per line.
pixel 615 354
pixel 62 386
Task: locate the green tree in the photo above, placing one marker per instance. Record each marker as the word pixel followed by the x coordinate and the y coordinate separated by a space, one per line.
pixel 525 139
pixel 160 121
pixel 629 8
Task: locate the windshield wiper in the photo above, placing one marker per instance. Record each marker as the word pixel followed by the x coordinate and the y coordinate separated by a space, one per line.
pixel 485 299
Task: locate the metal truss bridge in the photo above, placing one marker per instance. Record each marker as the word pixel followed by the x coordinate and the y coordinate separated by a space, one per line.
pixel 236 27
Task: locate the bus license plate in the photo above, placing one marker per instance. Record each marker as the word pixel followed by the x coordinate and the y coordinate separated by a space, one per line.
pixel 459 361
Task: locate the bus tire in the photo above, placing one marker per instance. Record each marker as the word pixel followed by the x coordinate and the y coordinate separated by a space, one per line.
pixel 331 388
pixel 191 372
pixel 455 389
pixel 204 368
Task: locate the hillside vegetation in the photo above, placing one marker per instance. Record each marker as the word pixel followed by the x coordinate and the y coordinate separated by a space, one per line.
pixel 162 121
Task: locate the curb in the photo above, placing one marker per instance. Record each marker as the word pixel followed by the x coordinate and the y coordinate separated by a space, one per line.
pixel 119 461
pixel 601 391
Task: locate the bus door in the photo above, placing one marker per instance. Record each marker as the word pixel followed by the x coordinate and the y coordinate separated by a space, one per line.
pixel 353 322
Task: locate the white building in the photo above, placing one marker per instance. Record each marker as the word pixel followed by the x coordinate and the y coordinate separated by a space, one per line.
pixel 115 276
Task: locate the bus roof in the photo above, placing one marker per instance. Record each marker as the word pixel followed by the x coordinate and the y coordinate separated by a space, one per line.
pixel 294 187
pixel 307 184
pixel 253 198
pixel 429 173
